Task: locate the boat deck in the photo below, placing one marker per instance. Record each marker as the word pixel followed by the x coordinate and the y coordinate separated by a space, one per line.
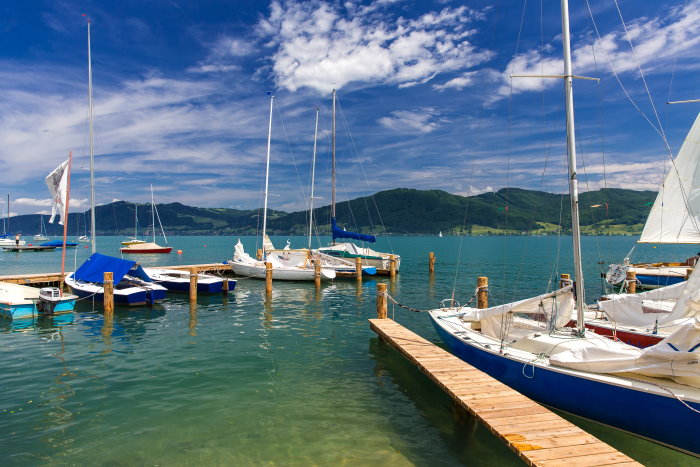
pixel 536 434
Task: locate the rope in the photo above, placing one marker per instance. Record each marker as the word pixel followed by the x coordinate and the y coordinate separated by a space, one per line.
pixel 409 308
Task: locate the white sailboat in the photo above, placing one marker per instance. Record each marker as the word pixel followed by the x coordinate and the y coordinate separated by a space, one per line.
pixel 42 230
pixel 8 239
pixel 141 246
pixel 346 250
pixel 291 266
pixel 653 392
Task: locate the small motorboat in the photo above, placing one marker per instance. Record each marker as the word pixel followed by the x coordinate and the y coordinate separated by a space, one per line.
pixel 22 301
pixel 176 280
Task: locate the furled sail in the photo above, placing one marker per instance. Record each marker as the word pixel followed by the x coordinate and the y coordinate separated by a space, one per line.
pixel 340 233
pixel 675 215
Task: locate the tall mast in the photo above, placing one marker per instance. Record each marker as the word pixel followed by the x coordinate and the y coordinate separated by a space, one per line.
pixel 333 161
pixel 267 174
pixel 64 218
pixel 571 151
pixel 153 215
pixel 92 151
pixel 8 213
pixel 313 175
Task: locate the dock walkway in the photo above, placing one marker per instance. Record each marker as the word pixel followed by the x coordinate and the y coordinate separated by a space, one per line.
pixel 537 435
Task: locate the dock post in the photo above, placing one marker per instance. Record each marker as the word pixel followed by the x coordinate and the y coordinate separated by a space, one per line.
pixel 317 272
pixel 482 294
pixel 564 280
pixel 268 278
pixel 392 266
pixel 358 268
pixel 258 255
pixel 431 262
pixel 193 284
pixel 224 286
pixel 688 272
pixel 381 301
pixel 108 285
pixel 631 282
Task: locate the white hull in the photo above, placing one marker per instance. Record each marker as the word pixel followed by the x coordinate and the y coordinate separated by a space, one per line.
pixel 258 271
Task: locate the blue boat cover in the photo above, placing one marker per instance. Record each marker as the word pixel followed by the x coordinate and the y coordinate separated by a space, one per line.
pixel 58 243
pixel 340 233
pixel 93 269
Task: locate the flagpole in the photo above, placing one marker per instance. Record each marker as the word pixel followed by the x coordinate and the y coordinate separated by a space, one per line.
pixel 65 223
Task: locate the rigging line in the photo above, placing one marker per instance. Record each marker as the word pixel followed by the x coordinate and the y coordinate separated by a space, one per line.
pixel 508 142
pixel 305 194
pixel 673 69
pixel 364 174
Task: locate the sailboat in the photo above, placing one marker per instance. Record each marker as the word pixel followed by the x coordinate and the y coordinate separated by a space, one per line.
pixel 652 392
pixel 42 230
pixel 87 280
pixel 674 219
pixel 288 265
pixel 7 238
pixel 141 246
pixel 350 251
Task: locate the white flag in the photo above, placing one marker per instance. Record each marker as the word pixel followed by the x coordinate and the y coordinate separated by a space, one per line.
pixel 57 181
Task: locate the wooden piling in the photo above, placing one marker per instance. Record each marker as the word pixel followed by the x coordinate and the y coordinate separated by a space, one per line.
pixel 564 280
pixel 358 268
pixel 482 294
pixel 317 273
pixel 431 262
pixel 268 278
pixel 224 285
pixel 392 266
pixel 382 309
pixel 193 284
pixel 108 285
pixel 259 255
pixel 631 282
pixel 688 272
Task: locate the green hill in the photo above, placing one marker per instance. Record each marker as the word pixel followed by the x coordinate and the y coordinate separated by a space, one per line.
pixel 398 211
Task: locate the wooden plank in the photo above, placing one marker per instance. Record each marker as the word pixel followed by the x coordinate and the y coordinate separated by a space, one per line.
pixel 539 436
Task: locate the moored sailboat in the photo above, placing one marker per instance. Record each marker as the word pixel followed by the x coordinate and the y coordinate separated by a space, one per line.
pixel 140 246
pixel 653 392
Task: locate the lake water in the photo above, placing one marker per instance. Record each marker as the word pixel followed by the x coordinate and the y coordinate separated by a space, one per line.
pixel 296 379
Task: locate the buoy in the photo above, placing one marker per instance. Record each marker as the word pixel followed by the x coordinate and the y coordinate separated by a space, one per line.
pixel 179 252
pixel 85 246
pixel 31 244
pixel 205 246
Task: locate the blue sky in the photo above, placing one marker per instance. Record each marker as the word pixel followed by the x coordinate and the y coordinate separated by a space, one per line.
pixel 425 96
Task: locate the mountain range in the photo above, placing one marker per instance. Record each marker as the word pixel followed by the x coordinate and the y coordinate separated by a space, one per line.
pixel 398 211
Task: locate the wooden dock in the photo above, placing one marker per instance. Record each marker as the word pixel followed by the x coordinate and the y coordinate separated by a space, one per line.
pixel 536 434
pixel 53 278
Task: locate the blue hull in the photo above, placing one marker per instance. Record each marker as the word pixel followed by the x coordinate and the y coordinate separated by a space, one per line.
pixel 651 280
pixel 142 297
pixel 659 418
pixel 180 286
pixel 30 310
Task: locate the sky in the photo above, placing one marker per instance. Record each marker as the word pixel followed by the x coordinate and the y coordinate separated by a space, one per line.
pixel 425 97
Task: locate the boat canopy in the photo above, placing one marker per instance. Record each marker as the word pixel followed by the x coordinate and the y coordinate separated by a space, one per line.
pixel 58 243
pixel 93 269
pixel 340 233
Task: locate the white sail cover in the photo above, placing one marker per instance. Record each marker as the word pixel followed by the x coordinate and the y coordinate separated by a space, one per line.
pixel 675 215
pixel 554 307
pixel 637 309
pixel 57 181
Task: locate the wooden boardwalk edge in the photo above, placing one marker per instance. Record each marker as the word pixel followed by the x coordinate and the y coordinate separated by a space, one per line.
pixel 536 434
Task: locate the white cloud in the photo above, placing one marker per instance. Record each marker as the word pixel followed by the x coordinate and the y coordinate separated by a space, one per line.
pixel 459 83
pixel 657 42
pixel 320 45
pixel 423 120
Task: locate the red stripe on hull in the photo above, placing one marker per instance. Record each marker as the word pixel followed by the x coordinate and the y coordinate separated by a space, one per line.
pixel 159 250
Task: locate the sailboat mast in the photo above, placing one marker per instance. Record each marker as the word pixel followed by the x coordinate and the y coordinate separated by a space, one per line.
pixel 313 175
pixel 267 175
pixel 8 213
pixel 333 160
pixel 153 215
pixel 92 150
pixel 64 218
pixel 571 151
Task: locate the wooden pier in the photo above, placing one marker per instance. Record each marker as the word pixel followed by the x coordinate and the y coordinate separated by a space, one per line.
pixel 536 434
pixel 53 278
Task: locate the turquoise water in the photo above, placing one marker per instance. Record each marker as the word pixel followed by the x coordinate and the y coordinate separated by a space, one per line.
pixel 296 379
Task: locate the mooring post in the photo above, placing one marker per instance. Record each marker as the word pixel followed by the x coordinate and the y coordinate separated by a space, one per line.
pixel 482 294
pixel 431 262
pixel 224 286
pixel 564 280
pixel 381 301
pixel 358 268
pixel 688 272
pixel 258 255
pixel 193 284
pixel 392 266
pixel 108 285
pixel 268 278
pixel 317 272
pixel 631 282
